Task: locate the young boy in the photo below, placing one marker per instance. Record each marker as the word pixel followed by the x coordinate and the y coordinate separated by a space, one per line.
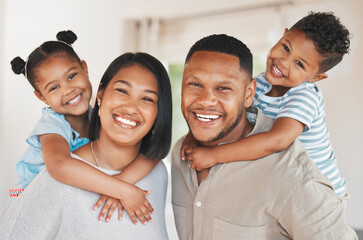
pixel 287 93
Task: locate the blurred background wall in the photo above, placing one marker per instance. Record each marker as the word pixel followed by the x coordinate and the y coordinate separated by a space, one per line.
pixel 167 29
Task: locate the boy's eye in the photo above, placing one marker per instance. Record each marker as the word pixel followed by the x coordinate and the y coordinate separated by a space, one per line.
pixel 299 64
pixel 72 76
pixel 286 48
pixel 223 88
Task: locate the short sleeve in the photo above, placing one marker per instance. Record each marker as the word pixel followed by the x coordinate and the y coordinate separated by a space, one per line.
pixel 301 105
pixel 50 122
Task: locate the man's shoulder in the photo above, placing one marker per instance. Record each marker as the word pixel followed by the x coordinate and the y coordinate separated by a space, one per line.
pixel 175 152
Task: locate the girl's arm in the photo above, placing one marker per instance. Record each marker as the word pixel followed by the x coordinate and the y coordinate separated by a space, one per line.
pixel 137 169
pixel 133 173
pixel 282 134
pixel 62 167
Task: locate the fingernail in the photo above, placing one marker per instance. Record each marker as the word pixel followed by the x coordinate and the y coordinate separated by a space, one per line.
pixel 100 218
pixel 95 208
pixel 107 219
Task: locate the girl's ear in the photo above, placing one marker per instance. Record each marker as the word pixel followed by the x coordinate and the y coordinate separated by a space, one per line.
pixel 318 77
pixel 40 97
pixel 84 66
pixel 250 93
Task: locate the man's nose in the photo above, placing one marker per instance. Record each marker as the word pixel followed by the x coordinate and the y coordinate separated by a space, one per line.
pixel 207 98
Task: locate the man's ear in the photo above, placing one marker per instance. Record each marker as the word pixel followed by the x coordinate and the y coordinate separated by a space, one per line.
pixel 250 93
pixel 318 77
pixel 84 66
pixel 40 97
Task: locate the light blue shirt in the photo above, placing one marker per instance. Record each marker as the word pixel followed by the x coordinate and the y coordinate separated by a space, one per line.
pixel 304 103
pixel 31 163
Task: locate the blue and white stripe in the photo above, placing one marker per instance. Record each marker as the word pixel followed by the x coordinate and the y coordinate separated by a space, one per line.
pixel 304 103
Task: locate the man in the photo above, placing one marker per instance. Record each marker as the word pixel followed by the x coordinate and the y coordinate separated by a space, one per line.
pixel 281 196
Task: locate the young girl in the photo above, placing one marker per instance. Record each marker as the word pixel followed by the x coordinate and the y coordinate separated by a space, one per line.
pixel 60 80
pixel 287 93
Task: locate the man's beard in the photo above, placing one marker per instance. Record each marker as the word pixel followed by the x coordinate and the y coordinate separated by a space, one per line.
pixel 228 129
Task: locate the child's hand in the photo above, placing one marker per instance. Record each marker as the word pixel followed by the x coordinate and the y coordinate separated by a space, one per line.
pixel 188 144
pixel 202 158
pixel 136 204
pixel 110 206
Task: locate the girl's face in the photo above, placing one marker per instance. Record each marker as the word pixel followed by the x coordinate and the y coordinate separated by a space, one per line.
pixel 64 85
pixel 128 105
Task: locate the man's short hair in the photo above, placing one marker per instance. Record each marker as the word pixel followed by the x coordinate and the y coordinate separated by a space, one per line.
pixel 223 43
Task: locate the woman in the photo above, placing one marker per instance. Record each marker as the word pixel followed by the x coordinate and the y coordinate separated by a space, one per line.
pixel 132 115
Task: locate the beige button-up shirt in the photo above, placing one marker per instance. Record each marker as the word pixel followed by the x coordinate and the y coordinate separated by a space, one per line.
pixel 281 196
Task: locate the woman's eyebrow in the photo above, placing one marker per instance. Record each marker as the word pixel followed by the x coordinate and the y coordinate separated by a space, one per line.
pixel 129 84
pixel 124 82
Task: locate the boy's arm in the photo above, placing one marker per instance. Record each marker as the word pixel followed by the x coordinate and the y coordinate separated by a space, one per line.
pixel 282 134
pixel 137 169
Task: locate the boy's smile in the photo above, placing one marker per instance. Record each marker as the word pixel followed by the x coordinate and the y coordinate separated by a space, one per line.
pixel 292 61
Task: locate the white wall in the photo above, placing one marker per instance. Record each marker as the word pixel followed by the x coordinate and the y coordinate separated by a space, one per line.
pixel 26 24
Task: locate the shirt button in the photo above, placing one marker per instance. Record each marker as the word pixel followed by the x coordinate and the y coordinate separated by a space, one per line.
pixel 198 204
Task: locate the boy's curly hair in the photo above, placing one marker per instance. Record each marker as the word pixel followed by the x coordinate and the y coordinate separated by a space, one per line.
pixel 330 37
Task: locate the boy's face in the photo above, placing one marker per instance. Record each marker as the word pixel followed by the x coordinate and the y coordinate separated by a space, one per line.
pixel 293 60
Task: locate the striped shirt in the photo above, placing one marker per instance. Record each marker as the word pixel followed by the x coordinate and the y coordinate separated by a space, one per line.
pixel 305 103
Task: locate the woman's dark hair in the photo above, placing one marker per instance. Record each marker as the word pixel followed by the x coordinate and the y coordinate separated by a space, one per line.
pixel 223 43
pixel 330 37
pixel 156 144
pixel 40 54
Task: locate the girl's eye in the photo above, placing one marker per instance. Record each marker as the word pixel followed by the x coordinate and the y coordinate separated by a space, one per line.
pixel 299 64
pixel 72 76
pixel 53 88
pixel 286 48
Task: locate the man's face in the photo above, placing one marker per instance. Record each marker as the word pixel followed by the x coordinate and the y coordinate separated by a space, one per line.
pixel 215 92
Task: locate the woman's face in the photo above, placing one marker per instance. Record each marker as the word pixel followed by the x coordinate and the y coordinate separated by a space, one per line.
pixel 128 105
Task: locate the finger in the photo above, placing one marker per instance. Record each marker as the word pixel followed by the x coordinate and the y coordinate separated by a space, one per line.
pixel 146 214
pixel 149 207
pixel 120 211
pixel 182 153
pixel 132 217
pixel 104 209
pixel 110 212
pixel 100 201
pixel 192 165
pixel 147 192
pixel 140 216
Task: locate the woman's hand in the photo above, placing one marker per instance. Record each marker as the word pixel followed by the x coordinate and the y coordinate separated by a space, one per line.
pixel 135 203
pixel 110 205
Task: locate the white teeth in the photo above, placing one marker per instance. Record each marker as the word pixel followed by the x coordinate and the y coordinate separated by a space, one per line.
pixel 126 121
pixel 277 71
pixel 206 118
pixel 74 99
